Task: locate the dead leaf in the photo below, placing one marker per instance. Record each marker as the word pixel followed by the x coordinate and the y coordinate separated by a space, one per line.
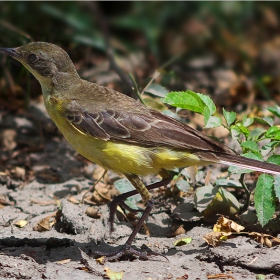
pixel 184 277
pixel 100 260
pixel 220 276
pixel 213 238
pixel 7 139
pixel 208 177
pixel 226 225
pixel 47 223
pixel 98 172
pixel 223 203
pixel 101 193
pixel 5 202
pixel 190 172
pixel 63 261
pixel 42 202
pixel 93 213
pixel 48 175
pixel 178 231
pixel 21 223
pixel 265 239
pixel 18 172
pixel 113 275
pixel 73 200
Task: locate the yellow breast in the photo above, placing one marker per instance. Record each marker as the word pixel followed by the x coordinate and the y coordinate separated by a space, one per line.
pixel 119 157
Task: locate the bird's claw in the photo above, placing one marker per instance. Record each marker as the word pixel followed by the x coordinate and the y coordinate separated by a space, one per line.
pixel 127 249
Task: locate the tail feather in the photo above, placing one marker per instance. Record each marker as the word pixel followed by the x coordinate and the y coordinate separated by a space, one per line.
pixel 248 163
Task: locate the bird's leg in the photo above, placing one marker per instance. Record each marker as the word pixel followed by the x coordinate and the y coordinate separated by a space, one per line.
pixel 146 196
pixel 119 200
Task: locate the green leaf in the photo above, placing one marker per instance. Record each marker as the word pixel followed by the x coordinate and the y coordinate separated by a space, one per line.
pixel 247 121
pixel 264 198
pixel 250 145
pixel 274 110
pixel 264 121
pixel 157 90
pixel 123 186
pixel 277 186
pixel 208 102
pixel 267 148
pixel 182 241
pixel 213 122
pixel 256 133
pixel 186 100
pixel 230 117
pixel 223 203
pixel 204 196
pixel 183 185
pixel 275 159
pixel 206 115
pixel 228 183
pixel 256 156
pixel 155 104
pixel 273 133
pixel 235 132
pixel 243 129
pixel 268 120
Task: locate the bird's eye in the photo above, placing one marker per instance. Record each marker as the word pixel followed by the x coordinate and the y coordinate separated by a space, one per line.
pixel 32 58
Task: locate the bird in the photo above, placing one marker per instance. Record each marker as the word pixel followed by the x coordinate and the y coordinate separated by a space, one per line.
pixel 120 133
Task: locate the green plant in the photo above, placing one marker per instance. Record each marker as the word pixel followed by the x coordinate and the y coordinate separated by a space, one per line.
pixel 251 142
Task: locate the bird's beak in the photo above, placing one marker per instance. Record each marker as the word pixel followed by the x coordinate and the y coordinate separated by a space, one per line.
pixel 11 52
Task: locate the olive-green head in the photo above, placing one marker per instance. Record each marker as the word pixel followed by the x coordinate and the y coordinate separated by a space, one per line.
pixel 49 63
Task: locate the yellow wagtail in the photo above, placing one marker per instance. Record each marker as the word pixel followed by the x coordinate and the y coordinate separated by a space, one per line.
pixel 118 132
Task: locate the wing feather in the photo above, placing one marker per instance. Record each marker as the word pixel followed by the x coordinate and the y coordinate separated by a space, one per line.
pixel 150 128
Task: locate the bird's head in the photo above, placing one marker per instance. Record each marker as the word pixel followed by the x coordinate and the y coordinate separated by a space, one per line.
pixel 49 63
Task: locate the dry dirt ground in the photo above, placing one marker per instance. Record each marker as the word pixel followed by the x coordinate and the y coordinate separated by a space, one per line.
pixel 65 251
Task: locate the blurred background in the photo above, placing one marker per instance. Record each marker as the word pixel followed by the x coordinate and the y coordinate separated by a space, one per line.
pixel 229 50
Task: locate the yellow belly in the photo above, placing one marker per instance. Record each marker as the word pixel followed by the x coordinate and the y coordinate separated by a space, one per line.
pixel 120 157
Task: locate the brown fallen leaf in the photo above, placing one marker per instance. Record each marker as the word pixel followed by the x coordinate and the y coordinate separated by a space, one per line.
pixel 213 238
pixel 98 172
pixel 5 202
pixel 93 213
pixel 63 261
pixel 21 223
pixel 220 276
pixel 265 239
pixel 184 277
pixel 47 223
pixel 226 225
pixel 18 172
pixel 8 139
pixel 43 202
pixel 100 260
pixel 178 231
pixel 73 200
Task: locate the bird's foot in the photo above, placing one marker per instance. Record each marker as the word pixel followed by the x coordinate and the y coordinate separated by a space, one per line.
pixel 119 200
pixel 124 250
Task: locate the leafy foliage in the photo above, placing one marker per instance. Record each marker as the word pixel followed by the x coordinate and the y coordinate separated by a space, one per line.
pixel 267 187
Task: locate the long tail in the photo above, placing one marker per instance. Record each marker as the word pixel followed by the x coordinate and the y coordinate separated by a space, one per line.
pixel 248 163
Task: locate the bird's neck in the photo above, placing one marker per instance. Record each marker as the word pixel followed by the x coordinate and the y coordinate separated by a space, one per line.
pixel 61 83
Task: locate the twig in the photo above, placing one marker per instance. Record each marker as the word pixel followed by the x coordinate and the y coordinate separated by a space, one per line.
pixel 92 187
pixel 157 72
pixel 85 260
pixel 247 192
pixel 8 25
pixel 103 24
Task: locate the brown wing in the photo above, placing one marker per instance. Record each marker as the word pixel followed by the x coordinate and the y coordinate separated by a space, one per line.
pixel 150 129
